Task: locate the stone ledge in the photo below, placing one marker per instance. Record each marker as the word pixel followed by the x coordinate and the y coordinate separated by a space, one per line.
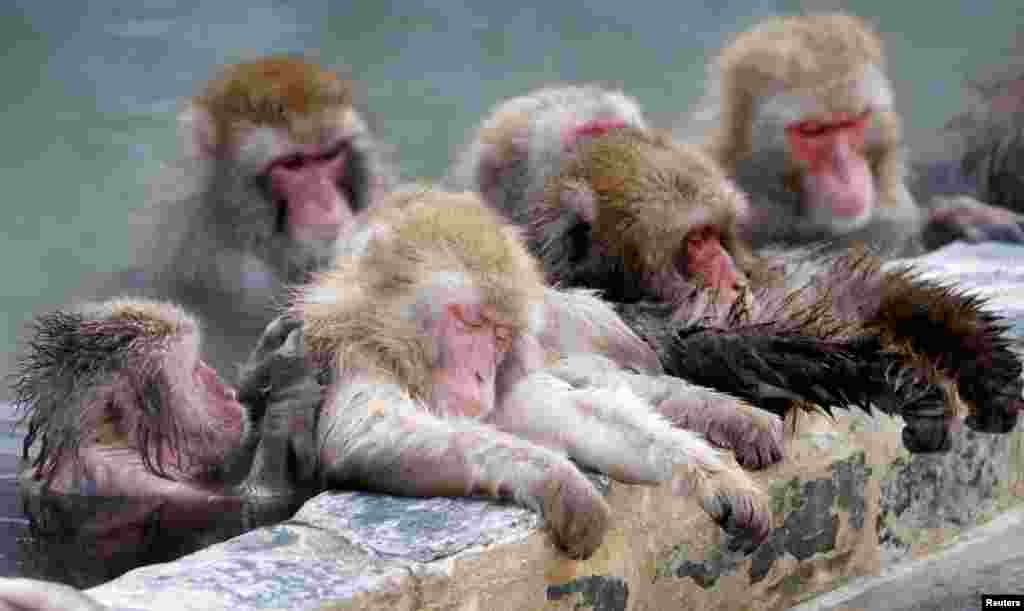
pixel 841 509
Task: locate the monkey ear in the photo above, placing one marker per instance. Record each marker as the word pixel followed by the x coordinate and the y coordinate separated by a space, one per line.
pixel 198 132
pixel 579 198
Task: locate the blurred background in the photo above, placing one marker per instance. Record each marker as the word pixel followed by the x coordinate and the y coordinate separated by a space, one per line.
pixel 92 88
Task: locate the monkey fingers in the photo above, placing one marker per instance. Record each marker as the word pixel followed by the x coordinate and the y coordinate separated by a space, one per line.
pixel 573 510
pixel 277 361
pixel 735 503
pixel 275 335
pixel 754 435
pixel 614 431
pixel 964 218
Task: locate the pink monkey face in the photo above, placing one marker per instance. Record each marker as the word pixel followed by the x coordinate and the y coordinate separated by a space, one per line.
pixel 471 345
pixel 838 184
pixel 309 186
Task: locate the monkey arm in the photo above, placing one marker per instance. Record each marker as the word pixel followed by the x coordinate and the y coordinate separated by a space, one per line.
pixel 374 435
pixel 943 329
pixel 965 218
pixel 754 435
pixel 614 431
pixel 577 321
pixel 772 370
pixel 766 366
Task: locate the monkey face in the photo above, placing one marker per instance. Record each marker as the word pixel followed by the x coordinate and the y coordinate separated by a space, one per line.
pixel 640 218
pixel 313 191
pixel 836 182
pixel 470 345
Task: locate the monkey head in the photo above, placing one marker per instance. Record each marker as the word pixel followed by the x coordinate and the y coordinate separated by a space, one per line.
pixel 640 217
pixel 116 395
pixel 521 143
pixel 806 99
pixel 285 143
pixel 436 292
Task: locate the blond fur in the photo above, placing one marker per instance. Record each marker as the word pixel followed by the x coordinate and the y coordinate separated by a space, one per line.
pixel 362 310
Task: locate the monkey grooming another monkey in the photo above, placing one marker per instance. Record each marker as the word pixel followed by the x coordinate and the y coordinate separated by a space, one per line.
pixel 800 113
pixel 279 168
pixel 136 450
pixel 437 332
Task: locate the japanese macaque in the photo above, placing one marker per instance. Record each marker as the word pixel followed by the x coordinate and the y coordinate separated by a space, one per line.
pixel 136 451
pixel 280 165
pixel 989 138
pixel 450 369
pixel 520 144
pixel 800 113
pixel 651 223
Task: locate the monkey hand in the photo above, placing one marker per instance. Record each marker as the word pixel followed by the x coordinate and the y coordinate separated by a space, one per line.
pixel 280 387
pixel 965 218
pixel 573 509
pixel 735 503
pixel 753 435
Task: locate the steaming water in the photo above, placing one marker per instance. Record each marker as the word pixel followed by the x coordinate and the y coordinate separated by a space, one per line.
pixel 90 90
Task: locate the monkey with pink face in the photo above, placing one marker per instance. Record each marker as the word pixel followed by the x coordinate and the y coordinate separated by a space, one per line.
pixel 654 225
pixel 429 360
pixel 137 451
pixel 800 113
pixel 279 165
pixel 452 370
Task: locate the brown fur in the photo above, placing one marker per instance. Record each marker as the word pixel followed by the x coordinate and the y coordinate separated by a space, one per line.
pixel 276 91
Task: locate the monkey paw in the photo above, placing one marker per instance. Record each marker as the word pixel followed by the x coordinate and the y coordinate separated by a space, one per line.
pixel 736 504
pixel 754 435
pixel 965 218
pixel 575 512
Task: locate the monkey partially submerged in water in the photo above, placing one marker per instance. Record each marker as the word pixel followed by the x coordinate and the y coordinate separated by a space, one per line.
pixel 136 450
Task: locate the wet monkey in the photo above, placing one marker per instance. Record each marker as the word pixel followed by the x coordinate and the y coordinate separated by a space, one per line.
pixel 454 371
pixel 136 450
pixel 279 165
pixel 651 223
pixel 799 110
